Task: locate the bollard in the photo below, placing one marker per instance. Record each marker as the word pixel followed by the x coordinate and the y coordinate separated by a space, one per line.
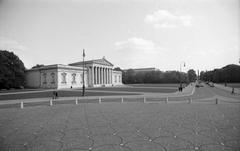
pixel 216 100
pixel 51 103
pixel 167 100
pixel 100 101
pixel 190 101
pixel 76 101
pixel 144 99
pixel 21 105
pixel 122 100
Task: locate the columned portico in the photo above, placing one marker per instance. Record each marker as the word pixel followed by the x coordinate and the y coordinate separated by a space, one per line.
pixel 100 72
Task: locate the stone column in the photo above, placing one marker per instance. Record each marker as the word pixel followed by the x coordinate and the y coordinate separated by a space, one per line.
pixel 92 75
pixel 95 75
pixel 111 76
pixel 103 75
pixel 107 75
pixel 99 75
pixel 99 82
pixel 95 69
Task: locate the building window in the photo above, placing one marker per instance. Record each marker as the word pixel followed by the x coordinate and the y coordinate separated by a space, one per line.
pixel 81 78
pixel 53 78
pixel 64 77
pixel 44 78
pixel 74 78
pixel 119 79
pixel 115 79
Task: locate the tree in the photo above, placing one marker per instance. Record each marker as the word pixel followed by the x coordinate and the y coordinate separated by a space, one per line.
pixel 37 66
pixel 129 76
pixel 191 75
pixel 229 73
pixel 11 70
pixel 117 69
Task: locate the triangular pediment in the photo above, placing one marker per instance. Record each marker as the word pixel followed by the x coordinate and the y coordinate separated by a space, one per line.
pixel 102 61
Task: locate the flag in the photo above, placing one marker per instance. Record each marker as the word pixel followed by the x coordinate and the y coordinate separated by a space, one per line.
pixel 84 53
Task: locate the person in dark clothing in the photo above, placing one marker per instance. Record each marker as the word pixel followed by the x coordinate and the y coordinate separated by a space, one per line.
pixel 232 90
pixel 54 95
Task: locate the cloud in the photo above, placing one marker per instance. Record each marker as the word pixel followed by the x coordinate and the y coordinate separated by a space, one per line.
pixel 28 57
pixel 166 19
pixel 138 52
pixel 8 44
pixel 137 45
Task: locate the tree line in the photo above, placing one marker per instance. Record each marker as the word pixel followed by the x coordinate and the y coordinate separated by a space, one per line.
pixel 130 76
pixel 227 74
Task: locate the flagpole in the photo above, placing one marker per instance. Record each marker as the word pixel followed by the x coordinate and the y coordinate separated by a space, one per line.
pixel 83 87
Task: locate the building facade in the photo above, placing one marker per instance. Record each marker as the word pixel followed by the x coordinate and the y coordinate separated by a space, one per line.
pixel 97 73
pixel 143 69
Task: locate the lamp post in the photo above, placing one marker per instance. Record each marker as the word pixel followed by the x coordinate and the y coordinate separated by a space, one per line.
pixel 83 87
pixel 184 64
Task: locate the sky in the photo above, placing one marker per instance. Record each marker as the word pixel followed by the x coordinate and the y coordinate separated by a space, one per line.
pixel 165 34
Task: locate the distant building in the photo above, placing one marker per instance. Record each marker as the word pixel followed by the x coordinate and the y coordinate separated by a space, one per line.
pixel 97 73
pixel 143 69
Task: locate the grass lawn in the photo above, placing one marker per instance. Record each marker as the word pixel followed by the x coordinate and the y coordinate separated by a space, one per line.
pixel 234 85
pixel 156 85
pixel 19 90
pixel 108 91
pixel 136 89
pixel 61 93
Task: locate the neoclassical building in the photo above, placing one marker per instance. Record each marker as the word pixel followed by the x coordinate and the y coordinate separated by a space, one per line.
pixel 97 73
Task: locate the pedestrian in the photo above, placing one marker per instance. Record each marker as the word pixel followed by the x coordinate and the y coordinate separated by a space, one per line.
pixel 54 95
pixel 232 90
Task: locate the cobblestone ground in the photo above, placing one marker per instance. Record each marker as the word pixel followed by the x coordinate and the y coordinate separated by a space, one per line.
pixel 122 127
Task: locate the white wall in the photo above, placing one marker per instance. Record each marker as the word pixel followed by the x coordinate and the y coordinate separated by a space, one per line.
pixel 117 78
pixel 69 83
pixel 50 82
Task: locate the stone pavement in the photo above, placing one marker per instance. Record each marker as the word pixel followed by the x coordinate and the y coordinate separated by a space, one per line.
pixel 122 127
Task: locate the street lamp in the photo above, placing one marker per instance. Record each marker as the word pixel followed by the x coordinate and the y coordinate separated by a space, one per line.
pixel 83 87
pixel 184 64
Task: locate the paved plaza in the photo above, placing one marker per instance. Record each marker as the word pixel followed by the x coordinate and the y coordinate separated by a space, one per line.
pixel 131 126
